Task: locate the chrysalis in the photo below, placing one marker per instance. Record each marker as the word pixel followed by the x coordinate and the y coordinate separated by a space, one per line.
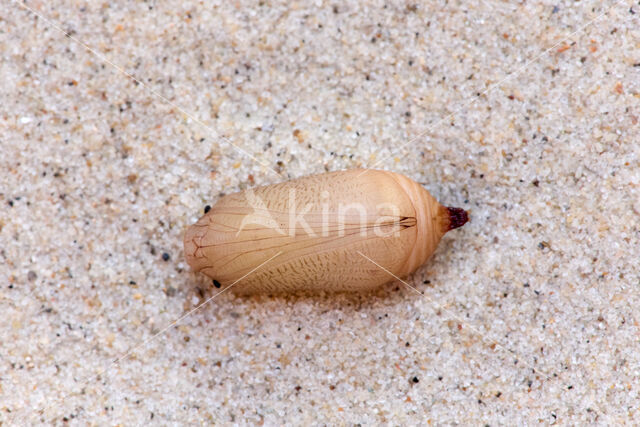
pixel 319 233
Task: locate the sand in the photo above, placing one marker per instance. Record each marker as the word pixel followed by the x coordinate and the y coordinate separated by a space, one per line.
pixel 524 114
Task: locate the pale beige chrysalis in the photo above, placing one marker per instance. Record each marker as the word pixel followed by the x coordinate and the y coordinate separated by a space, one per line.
pixel 321 226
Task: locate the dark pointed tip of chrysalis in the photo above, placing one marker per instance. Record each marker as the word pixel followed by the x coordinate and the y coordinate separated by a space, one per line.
pixel 457 217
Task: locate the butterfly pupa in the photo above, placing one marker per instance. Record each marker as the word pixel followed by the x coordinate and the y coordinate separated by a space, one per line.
pixel 319 233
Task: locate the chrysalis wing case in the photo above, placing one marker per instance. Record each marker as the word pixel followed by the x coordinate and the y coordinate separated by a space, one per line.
pixel 317 229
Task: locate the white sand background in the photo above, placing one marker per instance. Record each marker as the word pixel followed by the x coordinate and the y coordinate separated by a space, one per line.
pixel 524 113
